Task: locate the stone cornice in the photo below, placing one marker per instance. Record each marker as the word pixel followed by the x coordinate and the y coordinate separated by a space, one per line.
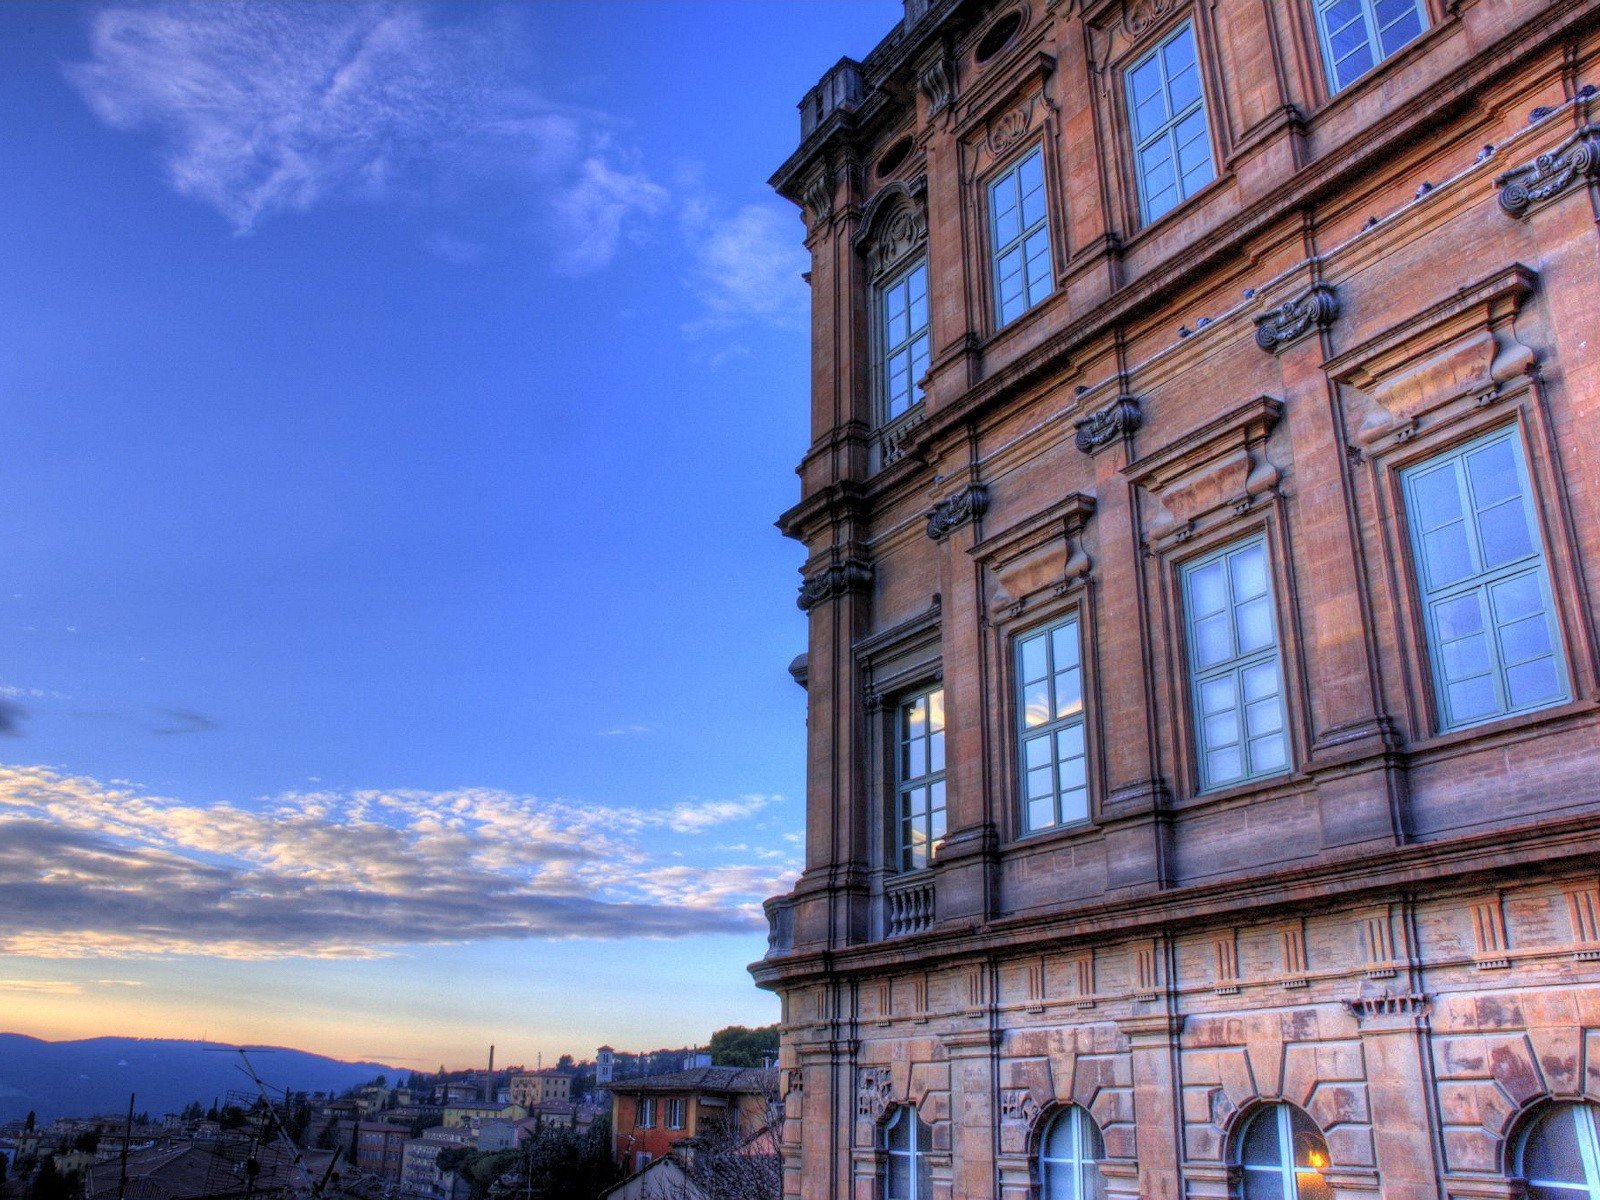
pixel 1500 854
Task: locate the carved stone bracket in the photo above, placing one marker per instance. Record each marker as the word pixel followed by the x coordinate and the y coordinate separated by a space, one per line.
pixel 1018 1104
pixel 1119 419
pixel 1316 308
pixel 1551 173
pixel 954 511
pixel 852 575
pixel 894 437
pixel 817 196
pixel 1044 551
pixel 1407 1006
pixel 937 79
pixel 874 1088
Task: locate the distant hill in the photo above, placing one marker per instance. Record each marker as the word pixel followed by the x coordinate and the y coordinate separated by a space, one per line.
pixel 94 1076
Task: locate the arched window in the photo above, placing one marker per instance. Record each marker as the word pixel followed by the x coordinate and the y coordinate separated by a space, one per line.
pixel 905 1167
pixel 1559 1155
pixel 1069 1158
pixel 1282 1154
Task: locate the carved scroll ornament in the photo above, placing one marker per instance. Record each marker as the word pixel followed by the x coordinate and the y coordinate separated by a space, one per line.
pixel 1118 419
pixel 1315 308
pixel 1546 177
pixel 852 575
pixel 954 511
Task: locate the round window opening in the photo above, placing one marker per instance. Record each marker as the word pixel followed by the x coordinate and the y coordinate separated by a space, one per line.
pixel 894 156
pixel 999 37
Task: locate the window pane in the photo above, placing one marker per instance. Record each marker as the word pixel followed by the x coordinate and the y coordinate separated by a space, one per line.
pixel 1503 530
pixel 1069 692
pixel 1211 641
pixel 1064 645
pixel 1551 1153
pixel 1268 754
pixel 1532 683
pixel 1471 699
pixel 1524 639
pixel 1253 621
pixel 1207 590
pixel 1036 704
pixel 1033 660
pixel 1223 766
pixel 1435 497
pixel 1217 695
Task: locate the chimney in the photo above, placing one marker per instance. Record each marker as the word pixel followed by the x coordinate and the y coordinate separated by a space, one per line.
pixel 488 1084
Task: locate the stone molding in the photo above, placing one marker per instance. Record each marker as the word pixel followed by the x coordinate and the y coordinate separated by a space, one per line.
pixel 1119 419
pixel 970 503
pixel 1575 160
pixel 842 579
pixel 1315 308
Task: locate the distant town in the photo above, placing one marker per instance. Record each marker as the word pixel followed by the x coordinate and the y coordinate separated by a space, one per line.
pixel 695 1123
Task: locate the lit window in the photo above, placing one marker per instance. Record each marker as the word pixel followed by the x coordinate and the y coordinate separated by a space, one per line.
pixel 1020 233
pixel 1050 717
pixel 675 1114
pixel 1559 1158
pixel 1069 1158
pixel 1283 1155
pixel 903 318
pixel 1236 672
pixel 905 1166
pixel 1359 34
pixel 1167 108
pixel 647 1113
pixel 1492 637
pixel 919 819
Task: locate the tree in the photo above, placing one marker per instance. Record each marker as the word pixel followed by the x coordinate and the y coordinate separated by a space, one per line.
pixel 740 1046
pixel 563 1164
pixel 28 1125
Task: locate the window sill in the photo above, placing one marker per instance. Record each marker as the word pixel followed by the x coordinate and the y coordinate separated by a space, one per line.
pixel 1418 46
pixel 1147 228
pixel 1501 731
pixel 1035 839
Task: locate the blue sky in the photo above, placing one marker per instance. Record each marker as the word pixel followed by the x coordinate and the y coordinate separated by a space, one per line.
pixel 398 400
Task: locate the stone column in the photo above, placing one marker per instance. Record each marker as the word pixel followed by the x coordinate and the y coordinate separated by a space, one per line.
pixel 1157 1080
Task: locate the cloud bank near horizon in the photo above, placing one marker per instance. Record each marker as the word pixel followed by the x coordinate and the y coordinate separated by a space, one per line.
pixel 90 868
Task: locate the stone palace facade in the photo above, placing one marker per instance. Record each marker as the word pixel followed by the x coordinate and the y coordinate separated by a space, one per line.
pixel 1203 529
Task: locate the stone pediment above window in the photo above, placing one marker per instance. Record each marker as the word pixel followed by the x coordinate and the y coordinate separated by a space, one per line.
pixel 894 227
pixel 1118 28
pixel 1461 351
pixel 1217 471
pixel 1044 551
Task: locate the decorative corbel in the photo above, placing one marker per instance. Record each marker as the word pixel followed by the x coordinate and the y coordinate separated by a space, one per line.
pixel 1119 419
pixel 970 503
pixel 1550 174
pixel 1315 308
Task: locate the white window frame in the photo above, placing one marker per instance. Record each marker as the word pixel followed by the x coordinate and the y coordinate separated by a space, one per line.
pixel 1065 1178
pixel 647 1112
pixel 915 1153
pixel 1167 130
pixel 1373 37
pixel 1037 286
pixel 1235 665
pixel 920 794
pixel 1050 731
pixel 1482 582
pixel 1285 1168
pixel 917 344
pixel 1586 1129
pixel 676 1111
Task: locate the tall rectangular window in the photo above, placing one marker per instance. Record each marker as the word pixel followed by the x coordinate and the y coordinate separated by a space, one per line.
pixel 1235 668
pixel 1358 34
pixel 1492 636
pixel 903 324
pixel 919 815
pixel 675 1113
pixel 1052 750
pixel 647 1112
pixel 1019 231
pixel 1167 109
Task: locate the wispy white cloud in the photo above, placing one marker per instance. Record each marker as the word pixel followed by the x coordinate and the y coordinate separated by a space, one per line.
pixel 62 987
pixel 264 108
pixel 625 730
pixel 88 867
pixel 748 268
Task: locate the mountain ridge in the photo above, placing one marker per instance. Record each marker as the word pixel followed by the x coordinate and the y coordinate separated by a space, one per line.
pixel 93 1076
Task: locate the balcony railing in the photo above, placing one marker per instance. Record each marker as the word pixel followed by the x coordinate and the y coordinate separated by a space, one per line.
pixel 907 906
